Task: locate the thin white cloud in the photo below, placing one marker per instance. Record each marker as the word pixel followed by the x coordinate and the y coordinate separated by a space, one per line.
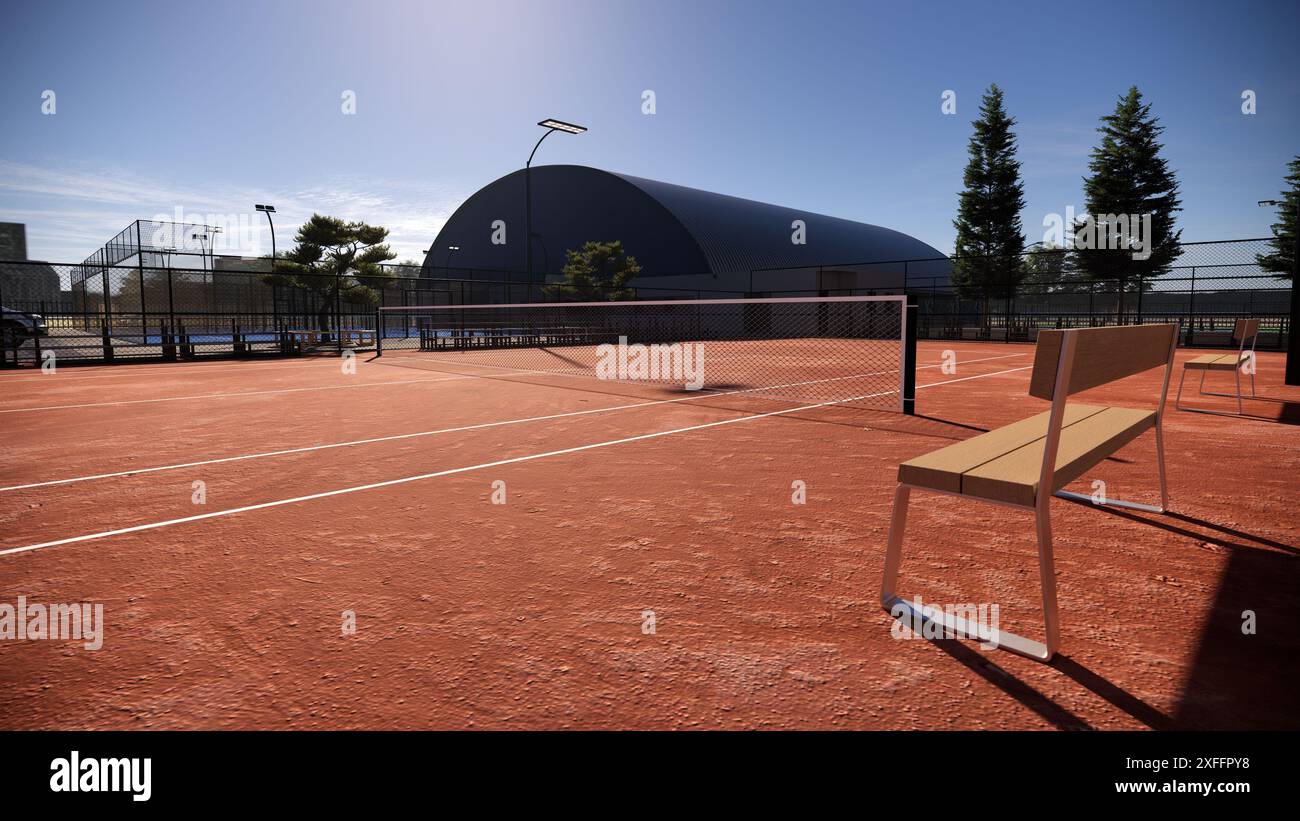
pixel 71 213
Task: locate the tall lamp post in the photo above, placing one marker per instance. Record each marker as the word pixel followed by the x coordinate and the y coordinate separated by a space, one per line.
pixel 1292 348
pixel 207 289
pixel 550 126
pixel 203 247
pixel 269 210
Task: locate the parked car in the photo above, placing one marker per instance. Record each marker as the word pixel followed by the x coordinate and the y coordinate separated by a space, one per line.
pixel 22 323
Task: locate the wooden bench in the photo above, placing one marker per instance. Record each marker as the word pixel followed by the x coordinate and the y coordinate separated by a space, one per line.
pixel 1243 329
pixel 1024 464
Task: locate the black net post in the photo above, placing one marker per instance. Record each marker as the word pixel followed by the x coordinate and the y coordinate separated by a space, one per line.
pixel 910 316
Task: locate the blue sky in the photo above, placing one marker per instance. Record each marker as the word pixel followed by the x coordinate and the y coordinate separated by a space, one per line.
pixel 204 109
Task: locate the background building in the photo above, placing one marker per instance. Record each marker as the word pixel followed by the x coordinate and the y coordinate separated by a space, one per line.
pixel 684 238
pixel 24 285
pixel 13 241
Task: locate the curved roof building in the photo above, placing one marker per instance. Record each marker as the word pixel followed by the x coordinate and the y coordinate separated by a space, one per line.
pixel 682 237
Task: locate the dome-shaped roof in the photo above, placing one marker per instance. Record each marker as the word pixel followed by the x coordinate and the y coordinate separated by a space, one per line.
pixel 670 229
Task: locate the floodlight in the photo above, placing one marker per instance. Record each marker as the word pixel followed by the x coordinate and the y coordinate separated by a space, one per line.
pixel 560 125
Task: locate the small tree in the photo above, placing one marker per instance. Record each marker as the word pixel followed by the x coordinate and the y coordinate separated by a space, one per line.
pixel 1047 268
pixel 1129 180
pixel 989 233
pixel 335 261
pixel 1282 259
pixel 596 271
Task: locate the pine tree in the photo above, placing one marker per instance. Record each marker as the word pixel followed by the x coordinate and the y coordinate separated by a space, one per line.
pixel 1130 178
pixel 989 233
pixel 597 271
pixel 1282 258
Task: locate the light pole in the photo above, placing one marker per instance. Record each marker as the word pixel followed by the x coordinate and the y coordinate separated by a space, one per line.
pixel 207 290
pixel 1292 349
pixel 550 126
pixel 269 210
pixel 203 247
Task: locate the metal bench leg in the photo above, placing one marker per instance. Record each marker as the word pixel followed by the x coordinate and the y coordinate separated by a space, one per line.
pixel 1160 471
pixel 899 608
pixel 894 551
pixel 1240 412
pixel 1160 467
pixel 1047 577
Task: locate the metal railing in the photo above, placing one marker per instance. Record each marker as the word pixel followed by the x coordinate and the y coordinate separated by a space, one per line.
pixel 231 307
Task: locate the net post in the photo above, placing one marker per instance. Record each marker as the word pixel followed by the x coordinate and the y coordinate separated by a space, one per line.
pixel 909 354
pixel 379 332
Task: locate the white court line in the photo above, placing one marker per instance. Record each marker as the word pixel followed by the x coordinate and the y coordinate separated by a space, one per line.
pixel 469 468
pixel 237 393
pixel 69 373
pixel 461 429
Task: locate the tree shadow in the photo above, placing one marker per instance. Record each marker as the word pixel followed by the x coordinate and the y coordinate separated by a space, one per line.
pixel 1244 680
pixel 1240 679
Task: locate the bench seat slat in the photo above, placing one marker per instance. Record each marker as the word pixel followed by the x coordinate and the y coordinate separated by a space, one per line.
pixel 1003 465
pixel 942 469
pixel 1213 362
pixel 1013 477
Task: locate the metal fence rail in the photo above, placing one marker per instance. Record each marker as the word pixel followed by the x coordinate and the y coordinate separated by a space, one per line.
pixel 143 309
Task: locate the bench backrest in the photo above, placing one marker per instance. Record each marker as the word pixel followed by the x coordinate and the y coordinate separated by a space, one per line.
pixel 1088 357
pixel 1100 355
pixel 1245 329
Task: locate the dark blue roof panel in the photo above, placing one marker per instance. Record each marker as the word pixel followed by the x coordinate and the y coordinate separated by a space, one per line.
pixel 672 230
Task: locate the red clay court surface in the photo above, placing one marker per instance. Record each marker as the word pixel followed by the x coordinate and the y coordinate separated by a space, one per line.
pixel 529 614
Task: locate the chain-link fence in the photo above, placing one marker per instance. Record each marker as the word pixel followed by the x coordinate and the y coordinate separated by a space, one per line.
pixel 1209 287
pixel 227 306
pixel 230 307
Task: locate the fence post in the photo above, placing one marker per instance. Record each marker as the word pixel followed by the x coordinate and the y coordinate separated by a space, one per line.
pixel 1191 311
pixel 144 308
pixel 171 306
pixel 108 301
pixel 1141 288
pixel 1011 308
pixel 338 313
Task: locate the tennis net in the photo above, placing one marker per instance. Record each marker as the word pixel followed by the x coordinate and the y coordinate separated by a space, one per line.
pixel 854 350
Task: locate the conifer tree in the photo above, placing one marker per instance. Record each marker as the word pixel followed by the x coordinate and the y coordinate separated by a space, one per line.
pixel 989 234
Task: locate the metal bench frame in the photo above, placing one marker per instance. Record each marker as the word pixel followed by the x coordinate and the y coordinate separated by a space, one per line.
pixel 1045 650
pixel 1244 328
